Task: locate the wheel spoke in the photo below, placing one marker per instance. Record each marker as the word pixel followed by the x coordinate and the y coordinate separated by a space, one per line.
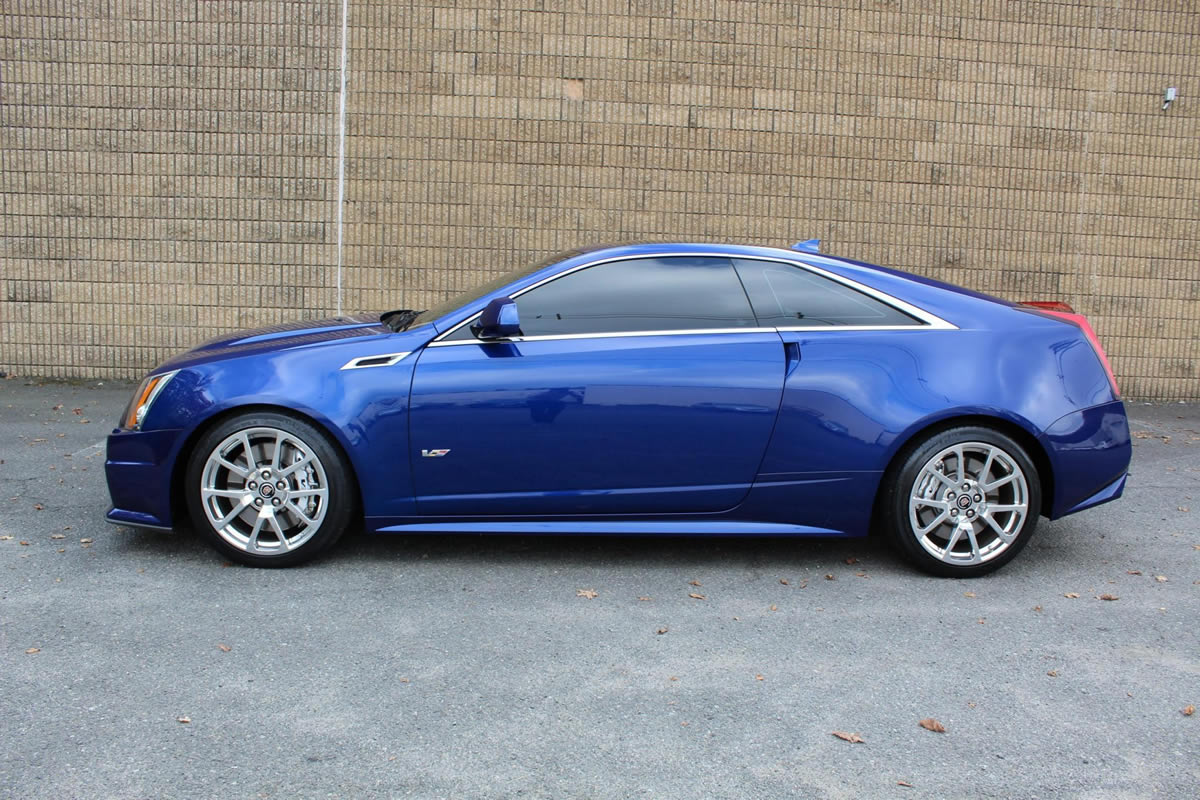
pixel 962 463
pixel 251 462
pixel 954 537
pixel 278 448
pixel 234 493
pixel 241 472
pixel 1009 478
pixel 252 542
pixel 987 466
pixel 299 512
pixel 995 507
pixel 238 508
pixel 283 542
pixel 293 467
pixel 936 521
pixel 308 492
pixel 1004 535
pixel 941 476
pixel 975 555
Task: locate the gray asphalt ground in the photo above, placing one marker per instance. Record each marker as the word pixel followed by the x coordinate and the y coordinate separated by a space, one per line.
pixel 470 667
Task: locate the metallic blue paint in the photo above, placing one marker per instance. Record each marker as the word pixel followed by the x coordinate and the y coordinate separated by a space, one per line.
pixel 750 432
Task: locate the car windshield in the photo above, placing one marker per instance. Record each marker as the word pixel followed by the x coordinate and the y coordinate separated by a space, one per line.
pixel 469 296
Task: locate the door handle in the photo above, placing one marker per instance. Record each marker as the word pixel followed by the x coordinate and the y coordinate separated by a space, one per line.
pixel 791 352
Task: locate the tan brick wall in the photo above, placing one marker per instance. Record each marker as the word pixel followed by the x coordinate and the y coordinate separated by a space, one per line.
pixel 169 169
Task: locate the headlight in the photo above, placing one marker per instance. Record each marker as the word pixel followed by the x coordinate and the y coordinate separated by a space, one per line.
pixel 146 394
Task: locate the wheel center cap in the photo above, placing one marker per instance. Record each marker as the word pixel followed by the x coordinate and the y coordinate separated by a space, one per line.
pixel 266 490
pixel 964 501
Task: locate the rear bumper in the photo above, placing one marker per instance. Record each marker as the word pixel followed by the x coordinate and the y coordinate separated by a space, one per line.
pixel 1089 453
pixel 138 468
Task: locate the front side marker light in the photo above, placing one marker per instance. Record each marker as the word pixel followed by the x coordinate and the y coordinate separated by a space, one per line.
pixel 150 389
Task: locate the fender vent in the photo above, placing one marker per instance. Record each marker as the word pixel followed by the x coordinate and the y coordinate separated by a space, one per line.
pixel 383 360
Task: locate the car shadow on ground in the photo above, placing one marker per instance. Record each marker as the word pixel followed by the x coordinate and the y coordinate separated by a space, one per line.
pixel 362 549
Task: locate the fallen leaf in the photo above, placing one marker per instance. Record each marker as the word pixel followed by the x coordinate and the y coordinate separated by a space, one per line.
pixel 1187 710
pixel 683 724
pixel 38 507
pixel 1109 597
pixel 1160 578
pixel 56 407
pixel 981 621
pixel 774 607
pixel 57 536
pixel 968 594
pixel 1053 673
pixel 931 724
pixel 1072 595
pixel 759 678
pixel 224 648
pixel 77 411
pixel 661 631
pixel 829 576
pixel 24 543
pixel 1184 508
pixel 62 550
pixel 695 596
pixel 862 575
pixel 33 650
pixel 784 581
pixel 5 538
pixel 851 560
pixel 674 678
pixel 904 783
pixel 85 541
pixel 1037 609
pixel 590 594
pixel 804 584
pixel 405 680
pixel 184 720
pixel 1133 572
pixel 643 599
pixel 694 583
pixel 853 738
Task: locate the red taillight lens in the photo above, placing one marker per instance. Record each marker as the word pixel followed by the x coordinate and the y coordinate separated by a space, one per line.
pixel 1063 311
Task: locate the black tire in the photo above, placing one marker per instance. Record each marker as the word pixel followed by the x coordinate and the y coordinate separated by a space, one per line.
pixel 276 498
pixel 917 494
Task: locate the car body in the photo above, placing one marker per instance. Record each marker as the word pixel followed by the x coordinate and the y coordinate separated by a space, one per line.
pixel 641 389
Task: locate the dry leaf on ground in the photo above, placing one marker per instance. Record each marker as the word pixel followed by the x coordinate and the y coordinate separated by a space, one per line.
pixel 1072 595
pixel 851 560
pixel 33 650
pixel 1109 597
pixel 590 594
pixel 774 607
pixel 759 678
pixel 224 648
pixel 85 541
pixel 694 583
pixel 931 724
pixel 1053 673
pixel 644 598
pixel 849 737
pixel 184 720
pixel 661 631
pixel 1133 572
pixel 38 507
pixel 695 596
pixel 1187 711
pixel 784 581
pixel 829 576
pixel 1160 578
pixel 968 594
pixel 904 783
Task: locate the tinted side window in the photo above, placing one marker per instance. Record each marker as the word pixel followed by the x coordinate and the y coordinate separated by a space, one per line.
pixel 642 294
pixel 788 296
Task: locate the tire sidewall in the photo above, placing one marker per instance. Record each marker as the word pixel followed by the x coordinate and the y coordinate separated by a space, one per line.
pixel 899 526
pixel 342 497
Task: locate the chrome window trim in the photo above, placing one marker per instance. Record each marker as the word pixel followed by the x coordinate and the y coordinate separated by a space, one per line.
pixel 929 321
pixel 392 358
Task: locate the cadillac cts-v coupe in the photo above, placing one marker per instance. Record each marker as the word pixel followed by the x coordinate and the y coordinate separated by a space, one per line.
pixel 677 389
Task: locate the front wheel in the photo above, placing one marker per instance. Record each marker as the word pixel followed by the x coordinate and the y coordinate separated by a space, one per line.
pixel 963 503
pixel 269 490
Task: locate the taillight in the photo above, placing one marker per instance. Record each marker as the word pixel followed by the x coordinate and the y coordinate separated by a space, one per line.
pixel 1061 310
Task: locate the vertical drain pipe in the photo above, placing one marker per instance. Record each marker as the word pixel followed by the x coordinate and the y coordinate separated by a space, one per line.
pixel 341 189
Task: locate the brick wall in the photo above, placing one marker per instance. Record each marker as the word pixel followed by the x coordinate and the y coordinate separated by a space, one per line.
pixel 169 169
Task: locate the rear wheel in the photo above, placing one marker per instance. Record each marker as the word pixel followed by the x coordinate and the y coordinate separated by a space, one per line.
pixel 269 490
pixel 963 503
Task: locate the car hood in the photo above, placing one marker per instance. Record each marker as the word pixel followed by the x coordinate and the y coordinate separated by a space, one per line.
pixel 279 337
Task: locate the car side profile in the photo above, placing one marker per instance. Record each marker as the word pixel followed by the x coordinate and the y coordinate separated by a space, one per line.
pixel 674 389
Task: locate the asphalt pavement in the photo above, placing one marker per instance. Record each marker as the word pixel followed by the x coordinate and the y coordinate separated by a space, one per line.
pixel 139 664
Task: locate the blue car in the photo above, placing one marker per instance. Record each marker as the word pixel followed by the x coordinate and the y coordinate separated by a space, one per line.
pixel 675 389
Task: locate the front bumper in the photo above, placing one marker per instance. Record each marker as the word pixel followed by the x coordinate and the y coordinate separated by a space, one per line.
pixel 138 467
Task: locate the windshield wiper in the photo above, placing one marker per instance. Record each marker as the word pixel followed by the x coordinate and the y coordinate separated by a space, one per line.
pixel 399 319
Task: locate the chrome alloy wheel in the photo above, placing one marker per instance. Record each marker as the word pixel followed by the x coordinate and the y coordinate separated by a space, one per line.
pixel 264 491
pixel 968 503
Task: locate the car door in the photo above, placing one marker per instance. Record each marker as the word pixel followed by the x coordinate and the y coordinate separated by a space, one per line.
pixel 638 386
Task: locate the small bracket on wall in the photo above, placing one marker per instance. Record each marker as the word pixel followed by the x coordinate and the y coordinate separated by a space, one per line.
pixel 1168 97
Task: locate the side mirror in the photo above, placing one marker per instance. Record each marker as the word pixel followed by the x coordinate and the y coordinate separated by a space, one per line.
pixel 498 320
